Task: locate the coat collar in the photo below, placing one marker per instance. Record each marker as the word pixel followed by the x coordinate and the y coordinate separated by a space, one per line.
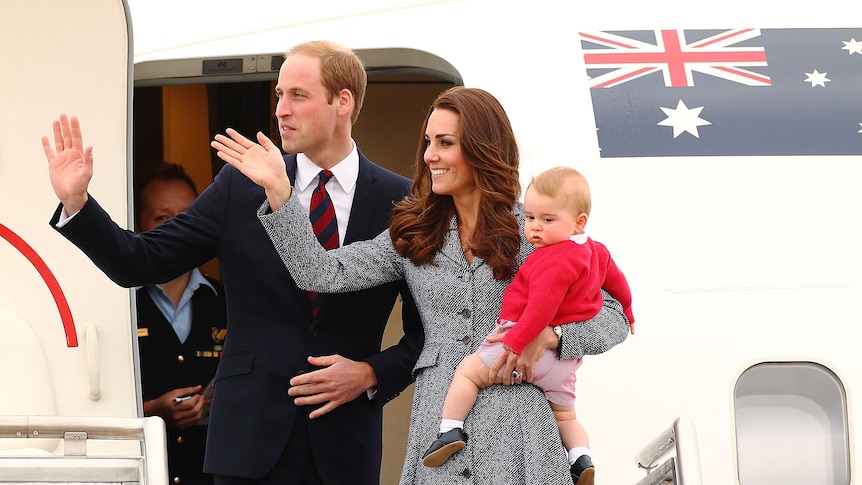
pixel 452 246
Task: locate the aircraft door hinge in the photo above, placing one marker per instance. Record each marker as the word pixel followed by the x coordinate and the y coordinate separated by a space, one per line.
pixel 75 443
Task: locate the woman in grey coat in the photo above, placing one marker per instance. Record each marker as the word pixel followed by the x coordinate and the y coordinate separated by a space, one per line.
pixel 457 241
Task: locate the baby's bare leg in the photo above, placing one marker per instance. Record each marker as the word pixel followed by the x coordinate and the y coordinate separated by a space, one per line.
pixel 572 432
pixel 470 376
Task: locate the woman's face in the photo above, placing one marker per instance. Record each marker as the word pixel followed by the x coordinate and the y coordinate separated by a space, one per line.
pixel 451 173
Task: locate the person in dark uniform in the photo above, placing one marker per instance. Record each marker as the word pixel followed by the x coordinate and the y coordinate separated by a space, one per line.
pixel 181 330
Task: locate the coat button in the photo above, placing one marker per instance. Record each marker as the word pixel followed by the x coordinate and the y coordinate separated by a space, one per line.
pixel 179 440
pixel 177 481
pixel 466 340
pixel 466 276
pixel 466 473
pixel 466 313
pixel 181 359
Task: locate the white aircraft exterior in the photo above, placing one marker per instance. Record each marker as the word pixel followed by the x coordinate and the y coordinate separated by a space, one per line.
pixel 742 257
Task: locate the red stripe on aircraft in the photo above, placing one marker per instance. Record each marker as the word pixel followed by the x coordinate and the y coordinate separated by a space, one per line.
pixel 50 280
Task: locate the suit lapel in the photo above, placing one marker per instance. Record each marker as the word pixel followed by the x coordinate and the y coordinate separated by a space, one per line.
pixel 290 166
pixel 365 203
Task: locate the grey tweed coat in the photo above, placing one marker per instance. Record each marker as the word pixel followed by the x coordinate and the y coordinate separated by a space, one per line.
pixel 513 438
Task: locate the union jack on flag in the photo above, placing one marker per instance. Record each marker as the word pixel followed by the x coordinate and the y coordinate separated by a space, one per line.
pixel 629 58
pixel 690 92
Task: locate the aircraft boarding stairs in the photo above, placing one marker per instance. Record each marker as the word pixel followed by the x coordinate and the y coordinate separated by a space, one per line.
pixel 683 467
pixel 150 466
pixel 33 465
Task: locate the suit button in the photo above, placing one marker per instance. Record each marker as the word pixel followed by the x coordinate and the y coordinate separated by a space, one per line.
pixel 177 480
pixel 466 340
pixel 466 473
pixel 181 359
pixel 312 333
pixel 179 440
pixel 466 313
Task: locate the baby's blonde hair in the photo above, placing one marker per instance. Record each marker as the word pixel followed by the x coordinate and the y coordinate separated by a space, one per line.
pixel 566 182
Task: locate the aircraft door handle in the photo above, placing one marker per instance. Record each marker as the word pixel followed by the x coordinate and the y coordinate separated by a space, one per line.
pixel 91 337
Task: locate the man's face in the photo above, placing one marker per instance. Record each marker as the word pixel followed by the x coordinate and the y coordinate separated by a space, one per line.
pixel 305 111
pixel 161 200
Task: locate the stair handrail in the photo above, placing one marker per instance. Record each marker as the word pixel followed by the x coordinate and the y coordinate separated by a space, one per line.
pixel 681 438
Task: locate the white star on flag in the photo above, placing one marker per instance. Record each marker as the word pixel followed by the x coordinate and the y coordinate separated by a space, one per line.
pixel 683 119
pixel 852 47
pixel 817 78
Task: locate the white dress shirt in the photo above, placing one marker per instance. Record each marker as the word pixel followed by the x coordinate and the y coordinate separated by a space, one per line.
pixel 344 176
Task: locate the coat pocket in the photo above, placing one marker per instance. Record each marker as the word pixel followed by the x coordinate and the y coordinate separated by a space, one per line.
pixel 428 358
pixel 234 365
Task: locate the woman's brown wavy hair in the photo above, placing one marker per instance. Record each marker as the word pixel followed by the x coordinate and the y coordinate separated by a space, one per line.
pixel 420 222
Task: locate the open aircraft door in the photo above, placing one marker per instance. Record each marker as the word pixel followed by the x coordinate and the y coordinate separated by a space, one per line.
pixel 66 344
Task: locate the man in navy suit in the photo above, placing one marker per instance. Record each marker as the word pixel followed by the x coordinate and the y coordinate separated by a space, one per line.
pixel 298 399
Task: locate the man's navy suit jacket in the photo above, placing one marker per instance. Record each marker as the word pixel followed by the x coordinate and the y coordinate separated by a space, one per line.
pixel 270 329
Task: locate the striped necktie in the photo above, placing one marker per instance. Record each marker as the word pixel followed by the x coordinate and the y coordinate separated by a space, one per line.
pixel 322 215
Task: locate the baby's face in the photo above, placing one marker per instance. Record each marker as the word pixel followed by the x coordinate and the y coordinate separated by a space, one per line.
pixel 548 220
